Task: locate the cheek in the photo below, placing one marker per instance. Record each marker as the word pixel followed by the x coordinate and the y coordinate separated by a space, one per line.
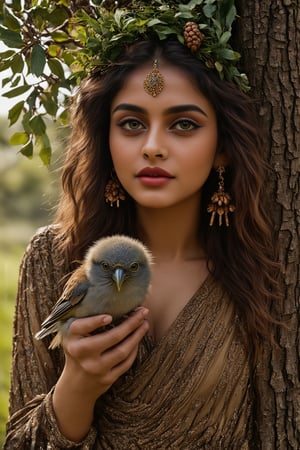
pixel 122 160
pixel 202 156
pixel 116 152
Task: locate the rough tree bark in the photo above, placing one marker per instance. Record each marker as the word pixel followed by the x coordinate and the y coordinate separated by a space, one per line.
pixel 269 39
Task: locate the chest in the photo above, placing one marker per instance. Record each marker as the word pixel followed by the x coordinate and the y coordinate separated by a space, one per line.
pixel 172 286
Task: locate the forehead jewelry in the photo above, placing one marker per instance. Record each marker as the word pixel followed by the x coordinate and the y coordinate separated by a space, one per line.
pixel 154 81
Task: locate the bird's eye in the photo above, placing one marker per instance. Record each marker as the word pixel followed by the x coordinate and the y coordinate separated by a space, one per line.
pixel 105 265
pixel 134 266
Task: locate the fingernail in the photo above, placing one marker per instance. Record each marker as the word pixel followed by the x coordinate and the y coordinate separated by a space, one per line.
pixel 145 312
pixel 106 320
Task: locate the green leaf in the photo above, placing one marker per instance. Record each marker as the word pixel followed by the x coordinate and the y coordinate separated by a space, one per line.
pixel 19 138
pixel 68 57
pixel 38 60
pixel 42 142
pixel 10 21
pixel 39 16
pixel 14 112
pixel 225 37
pixel 59 36
pixel 25 122
pixel 64 2
pixel 16 81
pixel 56 67
pixel 5 81
pixel 37 125
pixel 16 5
pixel 27 150
pixel 229 54
pixel 184 15
pixel 16 91
pixel 217 28
pixel 154 22
pixel 193 3
pixel 218 66
pixel 7 54
pixel 58 16
pixel 49 104
pixel 10 38
pixel 64 117
pixel 4 65
pixel 31 99
pixel 209 10
pixel 230 17
pixel 17 63
pixel 54 50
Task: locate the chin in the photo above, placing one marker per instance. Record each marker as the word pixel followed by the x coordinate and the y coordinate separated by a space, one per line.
pixel 156 203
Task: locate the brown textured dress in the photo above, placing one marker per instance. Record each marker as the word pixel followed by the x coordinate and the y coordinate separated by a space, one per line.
pixel 191 390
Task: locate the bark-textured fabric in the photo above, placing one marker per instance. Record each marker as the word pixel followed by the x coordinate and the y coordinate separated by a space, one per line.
pixel 191 390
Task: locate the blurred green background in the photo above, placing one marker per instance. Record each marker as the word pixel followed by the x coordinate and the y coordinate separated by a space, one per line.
pixel 29 192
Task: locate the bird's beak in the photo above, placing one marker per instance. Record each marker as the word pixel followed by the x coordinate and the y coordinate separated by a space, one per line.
pixel 118 277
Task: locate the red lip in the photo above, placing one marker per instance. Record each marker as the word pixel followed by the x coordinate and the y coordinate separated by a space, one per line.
pixel 154 172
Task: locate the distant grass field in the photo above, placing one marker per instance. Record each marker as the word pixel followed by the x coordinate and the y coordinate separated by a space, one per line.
pixel 28 194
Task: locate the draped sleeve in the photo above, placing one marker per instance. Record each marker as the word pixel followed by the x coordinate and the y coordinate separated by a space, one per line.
pixel 35 369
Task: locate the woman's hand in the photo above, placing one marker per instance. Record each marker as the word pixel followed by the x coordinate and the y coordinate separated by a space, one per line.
pixel 93 363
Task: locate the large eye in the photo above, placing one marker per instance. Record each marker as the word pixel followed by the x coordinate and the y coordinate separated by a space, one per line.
pixel 134 266
pixel 131 124
pixel 185 125
pixel 105 265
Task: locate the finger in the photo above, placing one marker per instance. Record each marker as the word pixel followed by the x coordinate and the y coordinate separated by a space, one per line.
pixel 117 355
pixel 116 372
pixel 100 343
pixel 113 337
pixel 119 360
pixel 87 325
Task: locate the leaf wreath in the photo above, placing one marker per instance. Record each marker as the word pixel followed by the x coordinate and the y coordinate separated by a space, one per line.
pixel 61 42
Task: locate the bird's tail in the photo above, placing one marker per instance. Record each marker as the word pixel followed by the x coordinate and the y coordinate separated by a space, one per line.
pixel 46 331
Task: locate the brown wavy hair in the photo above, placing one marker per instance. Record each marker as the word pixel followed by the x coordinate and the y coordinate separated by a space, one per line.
pixel 242 256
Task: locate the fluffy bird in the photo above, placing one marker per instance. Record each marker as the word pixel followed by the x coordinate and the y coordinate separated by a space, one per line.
pixel 113 279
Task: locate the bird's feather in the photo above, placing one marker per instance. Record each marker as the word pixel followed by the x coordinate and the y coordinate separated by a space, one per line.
pixel 94 288
pixel 70 298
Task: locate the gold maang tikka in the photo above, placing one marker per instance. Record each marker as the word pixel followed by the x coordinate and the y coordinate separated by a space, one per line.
pixel 154 81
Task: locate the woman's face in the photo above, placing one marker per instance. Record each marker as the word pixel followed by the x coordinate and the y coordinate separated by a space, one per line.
pixel 163 148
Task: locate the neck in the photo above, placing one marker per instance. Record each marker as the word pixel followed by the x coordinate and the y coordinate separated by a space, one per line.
pixel 171 233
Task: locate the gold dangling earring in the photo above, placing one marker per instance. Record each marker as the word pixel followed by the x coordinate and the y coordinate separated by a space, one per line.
pixel 220 201
pixel 114 191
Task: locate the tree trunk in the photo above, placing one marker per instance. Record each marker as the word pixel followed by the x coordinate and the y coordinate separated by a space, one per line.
pixel 269 40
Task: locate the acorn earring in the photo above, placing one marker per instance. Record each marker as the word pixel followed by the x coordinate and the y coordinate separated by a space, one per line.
pixel 113 191
pixel 220 202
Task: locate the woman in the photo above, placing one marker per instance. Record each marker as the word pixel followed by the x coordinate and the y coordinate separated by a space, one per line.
pixel 155 134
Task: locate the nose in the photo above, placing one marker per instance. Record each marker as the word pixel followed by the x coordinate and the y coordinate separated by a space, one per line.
pixel 153 148
pixel 151 155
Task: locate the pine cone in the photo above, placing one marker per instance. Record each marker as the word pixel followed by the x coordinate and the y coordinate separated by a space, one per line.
pixel 193 36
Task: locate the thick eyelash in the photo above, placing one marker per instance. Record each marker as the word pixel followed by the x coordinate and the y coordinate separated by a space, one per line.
pixel 123 122
pixel 194 124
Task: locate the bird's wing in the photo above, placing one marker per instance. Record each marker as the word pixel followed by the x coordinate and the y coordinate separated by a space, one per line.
pixel 74 292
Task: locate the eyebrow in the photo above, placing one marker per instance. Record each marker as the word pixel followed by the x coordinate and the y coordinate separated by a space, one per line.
pixel 171 110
